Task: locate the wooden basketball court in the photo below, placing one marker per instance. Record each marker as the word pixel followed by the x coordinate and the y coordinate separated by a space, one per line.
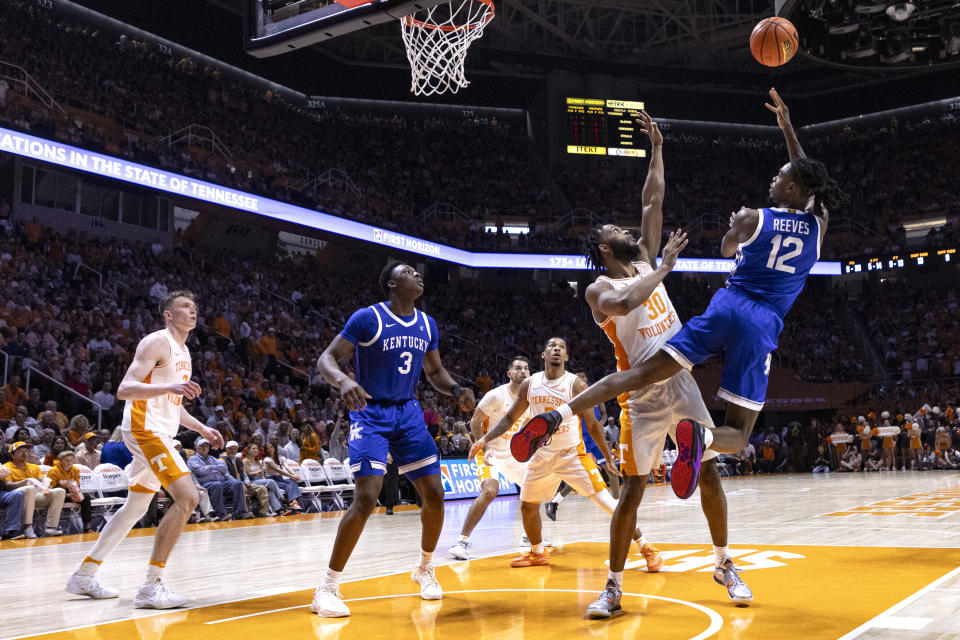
pixel 839 556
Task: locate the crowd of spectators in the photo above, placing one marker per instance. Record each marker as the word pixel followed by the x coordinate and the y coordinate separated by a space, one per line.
pixel 483 167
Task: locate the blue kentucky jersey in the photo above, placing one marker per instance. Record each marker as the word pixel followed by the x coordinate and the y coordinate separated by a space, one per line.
pixel 773 264
pixel 390 350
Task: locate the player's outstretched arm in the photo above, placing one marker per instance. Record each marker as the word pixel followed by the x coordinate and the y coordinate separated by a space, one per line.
pixel 352 393
pixel 779 107
pixel 441 380
pixel 651 221
pixel 151 351
pixel 596 431
pixel 606 300
pixel 511 416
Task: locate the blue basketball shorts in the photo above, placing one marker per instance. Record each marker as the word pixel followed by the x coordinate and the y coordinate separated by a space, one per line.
pixel 397 429
pixel 746 331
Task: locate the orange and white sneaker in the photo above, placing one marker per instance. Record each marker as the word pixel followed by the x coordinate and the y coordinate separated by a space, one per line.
pixel 531 559
pixel 652 555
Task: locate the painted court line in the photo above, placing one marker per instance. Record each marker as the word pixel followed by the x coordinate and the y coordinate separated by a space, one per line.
pixel 877 621
pixel 904 623
pixel 716 621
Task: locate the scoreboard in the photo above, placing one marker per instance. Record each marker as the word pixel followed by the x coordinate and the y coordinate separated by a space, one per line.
pixel 599 127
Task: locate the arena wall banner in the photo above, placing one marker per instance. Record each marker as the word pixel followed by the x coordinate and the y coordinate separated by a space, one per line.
pixel 100 164
pixel 459 477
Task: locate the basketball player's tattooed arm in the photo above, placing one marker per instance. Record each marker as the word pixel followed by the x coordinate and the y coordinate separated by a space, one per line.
pixel 151 351
pixel 350 390
pixel 596 431
pixel 516 410
pixel 783 120
pixel 607 301
pixel 442 381
pixel 651 220
pixel 742 225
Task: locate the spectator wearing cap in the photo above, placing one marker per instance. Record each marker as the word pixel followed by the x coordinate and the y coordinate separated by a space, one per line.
pixel 87 453
pixel 221 422
pixel 231 457
pixel 212 475
pixel 12 504
pixel 27 478
pixel 114 451
pixel 66 475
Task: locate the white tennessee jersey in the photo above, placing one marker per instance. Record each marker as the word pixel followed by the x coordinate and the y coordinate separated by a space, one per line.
pixel 495 404
pixel 160 414
pixel 640 334
pixel 546 395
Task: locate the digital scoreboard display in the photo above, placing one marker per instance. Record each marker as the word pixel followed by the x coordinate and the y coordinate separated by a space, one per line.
pixel 598 127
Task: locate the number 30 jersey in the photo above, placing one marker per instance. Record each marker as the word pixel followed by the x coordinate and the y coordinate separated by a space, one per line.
pixel 773 264
pixel 640 334
pixel 390 350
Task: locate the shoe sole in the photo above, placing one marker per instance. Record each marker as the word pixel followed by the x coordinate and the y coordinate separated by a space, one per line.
pixel 456 557
pixel 79 592
pixel 323 613
pixel 150 605
pixel 601 614
pixel 655 568
pixel 528 439
pixel 686 470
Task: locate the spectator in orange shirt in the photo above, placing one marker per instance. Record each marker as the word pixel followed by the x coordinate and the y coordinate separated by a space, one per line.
pixel 7 408
pixel 34 232
pixel 268 345
pixel 309 443
pixel 79 426
pixel 67 476
pixel 15 392
pixel 221 326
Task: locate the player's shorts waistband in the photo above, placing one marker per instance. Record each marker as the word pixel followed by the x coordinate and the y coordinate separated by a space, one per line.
pixel 389 403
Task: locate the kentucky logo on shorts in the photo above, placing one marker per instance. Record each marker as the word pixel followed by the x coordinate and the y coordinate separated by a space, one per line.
pixel 355 431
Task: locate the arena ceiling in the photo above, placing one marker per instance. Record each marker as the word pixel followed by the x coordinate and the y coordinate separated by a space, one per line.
pixel 700 44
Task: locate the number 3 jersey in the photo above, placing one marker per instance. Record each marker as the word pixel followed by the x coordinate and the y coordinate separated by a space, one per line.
pixel 640 334
pixel 390 350
pixel 773 264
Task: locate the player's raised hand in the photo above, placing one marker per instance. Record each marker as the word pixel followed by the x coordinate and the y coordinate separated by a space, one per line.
pixel 188 389
pixel 676 244
pixel 779 108
pixel 649 127
pixel 353 395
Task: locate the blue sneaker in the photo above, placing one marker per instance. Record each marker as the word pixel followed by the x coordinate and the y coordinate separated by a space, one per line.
pixel 686 470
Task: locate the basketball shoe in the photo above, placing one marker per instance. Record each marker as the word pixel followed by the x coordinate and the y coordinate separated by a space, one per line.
pixel 533 435
pixel 607 603
pixel 426 577
pixel 89 586
pixel 328 603
pixel 155 595
pixel 686 470
pixel 531 559
pixel 652 555
pixel 728 575
pixel 461 550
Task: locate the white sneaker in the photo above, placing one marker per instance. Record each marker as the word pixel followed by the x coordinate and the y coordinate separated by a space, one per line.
pixel 328 603
pixel 525 541
pixel 155 595
pixel 89 586
pixel 461 550
pixel 427 579
pixel 29 533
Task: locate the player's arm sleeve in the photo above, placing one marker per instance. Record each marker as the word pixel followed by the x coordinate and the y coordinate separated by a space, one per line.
pixel 434 334
pixel 361 326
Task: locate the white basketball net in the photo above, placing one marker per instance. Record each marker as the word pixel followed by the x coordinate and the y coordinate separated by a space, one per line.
pixel 437 40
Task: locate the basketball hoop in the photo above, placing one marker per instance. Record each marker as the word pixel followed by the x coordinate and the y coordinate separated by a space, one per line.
pixel 437 40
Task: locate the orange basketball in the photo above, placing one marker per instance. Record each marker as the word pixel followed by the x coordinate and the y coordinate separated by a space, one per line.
pixel 774 41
